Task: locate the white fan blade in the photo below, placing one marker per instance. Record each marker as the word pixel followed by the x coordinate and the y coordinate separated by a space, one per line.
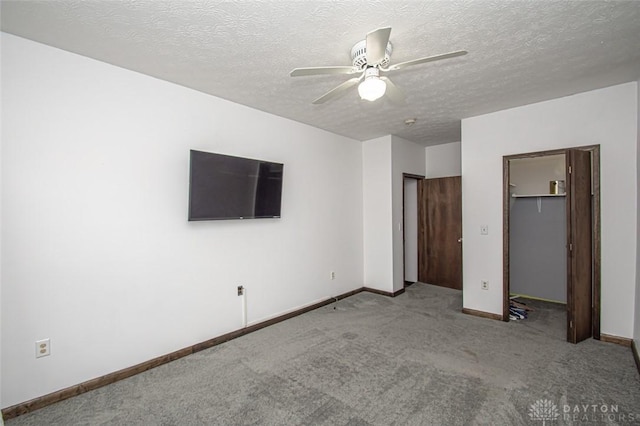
pixel 338 91
pixel 377 44
pixel 297 72
pixel 394 94
pixel 427 59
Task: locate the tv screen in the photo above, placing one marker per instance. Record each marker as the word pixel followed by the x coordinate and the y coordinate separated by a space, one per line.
pixel 226 187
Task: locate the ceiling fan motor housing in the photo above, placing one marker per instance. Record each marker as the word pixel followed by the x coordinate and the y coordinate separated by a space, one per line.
pixel 359 55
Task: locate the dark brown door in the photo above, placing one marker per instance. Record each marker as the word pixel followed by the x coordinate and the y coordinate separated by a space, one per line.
pixel 440 232
pixel 579 272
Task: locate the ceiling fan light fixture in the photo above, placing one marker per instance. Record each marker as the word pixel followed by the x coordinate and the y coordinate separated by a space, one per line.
pixel 369 57
pixel 372 87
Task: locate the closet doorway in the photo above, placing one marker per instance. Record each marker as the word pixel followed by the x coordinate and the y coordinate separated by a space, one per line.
pixel 410 227
pixel 560 208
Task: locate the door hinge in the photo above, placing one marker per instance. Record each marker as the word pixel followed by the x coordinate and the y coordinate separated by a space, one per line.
pixel 569 169
pixel 570 247
pixel 570 324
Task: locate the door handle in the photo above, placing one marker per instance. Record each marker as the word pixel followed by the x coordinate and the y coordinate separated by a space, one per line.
pixel 460 239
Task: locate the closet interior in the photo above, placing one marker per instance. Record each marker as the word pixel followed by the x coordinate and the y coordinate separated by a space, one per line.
pixel 538 228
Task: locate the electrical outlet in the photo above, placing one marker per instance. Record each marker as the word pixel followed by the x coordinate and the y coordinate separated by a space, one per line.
pixel 484 284
pixel 240 290
pixel 484 229
pixel 43 348
pixel 332 275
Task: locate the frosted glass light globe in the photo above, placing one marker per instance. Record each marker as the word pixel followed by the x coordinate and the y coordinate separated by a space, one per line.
pixel 372 88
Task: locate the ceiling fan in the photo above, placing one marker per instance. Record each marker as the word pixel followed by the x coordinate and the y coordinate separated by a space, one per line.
pixel 370 58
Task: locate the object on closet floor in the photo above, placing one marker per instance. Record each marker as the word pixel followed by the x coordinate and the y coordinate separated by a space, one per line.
pixel 521 306
pixel 518 310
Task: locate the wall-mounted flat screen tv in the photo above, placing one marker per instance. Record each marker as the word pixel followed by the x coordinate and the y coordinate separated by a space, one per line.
pixel 226 187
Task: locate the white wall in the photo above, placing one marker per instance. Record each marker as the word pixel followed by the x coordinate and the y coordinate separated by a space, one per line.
pixel 97 252
pixel 384 161
pixel 532 175
pixel 607 117
pixel 377 216
pixel 1 133
pixel 407 157
pixel 636 328
pixel 443 160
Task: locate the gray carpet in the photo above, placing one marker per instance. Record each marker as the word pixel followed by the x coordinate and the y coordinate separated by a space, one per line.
pixel 370 359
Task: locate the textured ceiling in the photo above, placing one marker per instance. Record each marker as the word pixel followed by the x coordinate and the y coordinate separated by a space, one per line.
pixel 519 52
